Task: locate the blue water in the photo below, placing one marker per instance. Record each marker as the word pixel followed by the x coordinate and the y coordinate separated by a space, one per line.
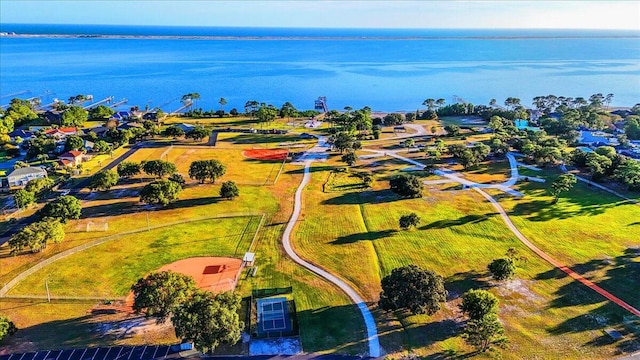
pixel 386 74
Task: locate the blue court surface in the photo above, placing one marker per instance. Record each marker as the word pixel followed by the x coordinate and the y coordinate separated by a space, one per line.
pixel 273 315
pixel 107 353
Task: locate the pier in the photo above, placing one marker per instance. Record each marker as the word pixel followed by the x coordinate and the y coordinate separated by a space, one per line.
pixel 105 100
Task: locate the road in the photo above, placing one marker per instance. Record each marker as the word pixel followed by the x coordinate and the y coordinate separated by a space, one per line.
pixel 318 153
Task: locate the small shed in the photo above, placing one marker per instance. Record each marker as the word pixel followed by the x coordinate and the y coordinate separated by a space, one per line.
pixel 248 259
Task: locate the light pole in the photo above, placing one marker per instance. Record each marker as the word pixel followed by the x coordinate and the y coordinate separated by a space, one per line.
pixel 46 285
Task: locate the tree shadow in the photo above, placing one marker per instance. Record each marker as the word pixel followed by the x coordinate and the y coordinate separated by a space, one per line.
pixel 365 197
pixel 468 219
pixel 459 283
pixel 365 236
pixel 621 278
pixel 334 329
pixel 312 169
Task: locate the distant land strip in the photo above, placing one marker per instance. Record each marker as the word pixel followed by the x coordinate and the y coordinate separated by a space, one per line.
pixel 216 37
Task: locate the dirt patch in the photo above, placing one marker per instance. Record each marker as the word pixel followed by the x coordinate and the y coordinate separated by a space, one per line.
pixel 138 326
pixel 216 274
pixel 266 154
pixel 281 346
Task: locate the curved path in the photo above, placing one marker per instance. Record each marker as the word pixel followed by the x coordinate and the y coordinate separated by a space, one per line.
pixel 514 176
pixel 372 331
pixel 553 261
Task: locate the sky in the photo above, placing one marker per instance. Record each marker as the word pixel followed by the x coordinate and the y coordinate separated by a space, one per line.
pixel 339 14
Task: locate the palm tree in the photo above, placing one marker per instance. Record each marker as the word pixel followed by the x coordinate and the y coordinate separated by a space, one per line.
pixel 492 102
pixel 429 103
pixel 607 100
pixel 222 103
pixel 439 103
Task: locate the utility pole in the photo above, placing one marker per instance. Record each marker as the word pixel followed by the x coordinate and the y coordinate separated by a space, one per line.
pixel 46 285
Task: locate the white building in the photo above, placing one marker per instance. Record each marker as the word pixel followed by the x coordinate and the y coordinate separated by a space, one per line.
pixel 20 177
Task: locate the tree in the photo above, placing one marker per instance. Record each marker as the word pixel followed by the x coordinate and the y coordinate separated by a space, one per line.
pixel 629 173
pixel 562 184
pixel 478 303
pixel 103 180
pixel 101 112
pixel 406 186
pixel 502 269
pixel 632 127
pixel 343 141
pixel 229 190
pixel 160 192
pixel 598 165
pixel 485 332
pixel 203 170
pixel 393 119
pixel 62 208
pixel 288 110
pixel 178 179
pixel 159 294
pixel 127 169
pixel 23 198
pixel 209 320
pixel 73 142
pixel 412 288
pixel 198 133
pixel 7 327
pixel 74 116
pixel 39 186
pixel 36 235
pixel 407 221
pixel 159 168
pixel 350 158
pixel 174 131
pixel 101 146
pixel 452 130
pixel 222 103
pixel 267 113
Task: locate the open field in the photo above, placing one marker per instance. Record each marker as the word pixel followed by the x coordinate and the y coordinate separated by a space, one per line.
pixel 591 231
pixel 240 169
pixel 543 311
pixel 132 257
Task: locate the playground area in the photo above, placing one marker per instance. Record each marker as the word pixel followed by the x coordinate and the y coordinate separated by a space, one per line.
pixel 215 274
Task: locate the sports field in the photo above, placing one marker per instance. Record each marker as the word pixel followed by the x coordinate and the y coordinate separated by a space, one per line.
pixel 126 259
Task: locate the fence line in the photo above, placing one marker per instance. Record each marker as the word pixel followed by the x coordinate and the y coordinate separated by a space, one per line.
pixel 13 282
pixel 62 298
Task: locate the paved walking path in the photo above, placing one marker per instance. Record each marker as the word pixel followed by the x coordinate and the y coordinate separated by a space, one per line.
pixel 514 176
pixel 314 154
pixel 601 187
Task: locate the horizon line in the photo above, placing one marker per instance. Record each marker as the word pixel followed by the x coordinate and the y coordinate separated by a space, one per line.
pixel 325 27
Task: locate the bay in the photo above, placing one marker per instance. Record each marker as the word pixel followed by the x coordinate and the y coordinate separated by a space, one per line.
pixel 387 70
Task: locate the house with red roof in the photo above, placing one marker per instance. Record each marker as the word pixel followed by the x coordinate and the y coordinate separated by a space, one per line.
pixel 71 158
pixel 62 133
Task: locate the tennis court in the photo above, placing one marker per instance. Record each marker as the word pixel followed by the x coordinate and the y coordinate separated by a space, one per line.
pixel 273 315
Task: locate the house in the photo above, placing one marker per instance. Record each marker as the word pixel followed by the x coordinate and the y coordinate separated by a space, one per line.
pixel 53 116
pixel 70 158
pixel 20 177
pixel 121 116
pixel 150 116
pixel 596 138
pixel 23 134
pixel 130 125
pixel 534 115
pixel 185 127
pixel 62 133
pixel 89 145
pixel 100 131
pixel 622 113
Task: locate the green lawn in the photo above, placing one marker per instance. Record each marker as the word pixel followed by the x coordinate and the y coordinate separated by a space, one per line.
pixel 109 269
pixel 593 232
pixel 460 234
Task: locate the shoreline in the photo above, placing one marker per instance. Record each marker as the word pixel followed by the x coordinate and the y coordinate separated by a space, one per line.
pixel 332 38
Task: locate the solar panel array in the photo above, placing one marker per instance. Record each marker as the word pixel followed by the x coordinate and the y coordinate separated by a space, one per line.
pixel 107 353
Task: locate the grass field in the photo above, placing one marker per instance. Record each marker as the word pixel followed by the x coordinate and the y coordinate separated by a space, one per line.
pixel 242 170
pixel 131 257
pixel 591 231
pixel 459 236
